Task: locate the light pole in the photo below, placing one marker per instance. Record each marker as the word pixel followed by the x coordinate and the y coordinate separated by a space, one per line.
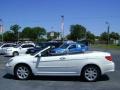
pixel 1 28
pixel 108 32
pixel 62 27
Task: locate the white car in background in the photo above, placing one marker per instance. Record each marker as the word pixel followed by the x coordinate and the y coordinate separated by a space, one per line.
pixel 19 49
pixel 90 65
pixel 4 46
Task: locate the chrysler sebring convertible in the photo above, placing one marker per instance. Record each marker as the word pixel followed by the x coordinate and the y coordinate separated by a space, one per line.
pixel 90 65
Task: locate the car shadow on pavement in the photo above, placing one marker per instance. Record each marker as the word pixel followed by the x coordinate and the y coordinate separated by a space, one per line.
pixel 8 56
pixel 57 78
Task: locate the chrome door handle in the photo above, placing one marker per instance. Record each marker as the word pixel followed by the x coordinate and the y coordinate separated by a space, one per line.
pixel 62 58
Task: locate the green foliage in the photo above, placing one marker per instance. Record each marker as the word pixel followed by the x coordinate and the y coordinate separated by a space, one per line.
pixel 114 35
pixel 15 29
pixel 90 37
pixel 27 33
pixel 104 36
pixel 9 36
pixel 33 33
pixel 77 32
pixel 38 32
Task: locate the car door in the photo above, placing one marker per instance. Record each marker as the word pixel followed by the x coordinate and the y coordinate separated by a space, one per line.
pixel 24 48
pixel 55 65
pixel 4 47
pixel 72 48
pixel 75 48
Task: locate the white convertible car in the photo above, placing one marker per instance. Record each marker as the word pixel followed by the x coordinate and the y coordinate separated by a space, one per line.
pixel 90 65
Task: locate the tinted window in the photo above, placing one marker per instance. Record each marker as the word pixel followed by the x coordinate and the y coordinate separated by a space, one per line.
pixel 64 46
pixel 27 46
pixel 7 45
pixel 72 46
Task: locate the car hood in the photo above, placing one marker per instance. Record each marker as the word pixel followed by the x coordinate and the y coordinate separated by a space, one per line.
pixel 23 57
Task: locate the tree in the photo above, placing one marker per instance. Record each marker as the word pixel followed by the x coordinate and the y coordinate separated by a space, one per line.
pixel 15 29
pixel 114 35
pixel 9 36
pixel 104 36
pixel 90 37
pixel 34 33
pixel 27 33
pixel 38 33
pixel 77 32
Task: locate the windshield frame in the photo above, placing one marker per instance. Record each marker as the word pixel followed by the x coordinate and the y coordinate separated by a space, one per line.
pixel 64 46
pixel 39 53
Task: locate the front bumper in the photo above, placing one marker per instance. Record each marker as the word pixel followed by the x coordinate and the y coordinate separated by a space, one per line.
pixel 8 53
pixel 9 69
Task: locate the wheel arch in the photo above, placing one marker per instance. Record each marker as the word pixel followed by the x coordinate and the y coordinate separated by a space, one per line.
pixel 91 65
pixel 14 52
pixel 24 65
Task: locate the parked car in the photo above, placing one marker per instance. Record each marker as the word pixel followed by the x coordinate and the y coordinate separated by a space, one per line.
pixel 70 48
pixel 89 65
pixel 4 46
pixel 40 46
pixel 19 49
pixel 85 42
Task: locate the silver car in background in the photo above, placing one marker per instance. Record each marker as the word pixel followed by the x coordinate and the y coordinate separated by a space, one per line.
pixel 4 46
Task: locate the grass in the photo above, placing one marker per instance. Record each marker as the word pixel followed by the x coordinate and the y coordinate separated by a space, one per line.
pixel 106 46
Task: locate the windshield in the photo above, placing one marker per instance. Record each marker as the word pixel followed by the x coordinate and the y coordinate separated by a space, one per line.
pixel 43 50
pixel 18 45
pixel 64 46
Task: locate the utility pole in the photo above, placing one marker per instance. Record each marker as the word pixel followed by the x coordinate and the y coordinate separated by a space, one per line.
pixel 108 32
pixel 62 27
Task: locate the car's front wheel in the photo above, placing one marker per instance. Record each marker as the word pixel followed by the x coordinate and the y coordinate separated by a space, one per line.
pixel 15 53
pixel 91 73
pixel 22 72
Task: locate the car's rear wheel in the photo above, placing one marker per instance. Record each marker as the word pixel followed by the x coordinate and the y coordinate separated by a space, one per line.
pixel 15 53
pixel 22 72
pixel 91 73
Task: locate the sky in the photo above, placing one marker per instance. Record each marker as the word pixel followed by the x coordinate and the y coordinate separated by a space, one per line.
pixel 92 14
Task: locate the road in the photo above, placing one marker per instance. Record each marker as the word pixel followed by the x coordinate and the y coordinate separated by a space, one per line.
pixel 109 81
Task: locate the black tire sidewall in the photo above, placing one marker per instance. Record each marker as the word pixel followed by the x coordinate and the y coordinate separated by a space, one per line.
pixel 15 53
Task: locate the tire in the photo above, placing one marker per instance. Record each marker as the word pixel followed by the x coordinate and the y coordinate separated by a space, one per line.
pixel 22 72
pixel 91 73
pixel 15 53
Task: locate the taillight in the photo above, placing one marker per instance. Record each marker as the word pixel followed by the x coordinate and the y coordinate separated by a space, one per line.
pixel 108 58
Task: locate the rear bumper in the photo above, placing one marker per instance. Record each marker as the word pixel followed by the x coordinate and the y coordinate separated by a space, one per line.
pixel 108 68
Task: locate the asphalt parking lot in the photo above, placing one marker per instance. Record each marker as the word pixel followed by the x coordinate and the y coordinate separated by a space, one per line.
pixel 109 81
